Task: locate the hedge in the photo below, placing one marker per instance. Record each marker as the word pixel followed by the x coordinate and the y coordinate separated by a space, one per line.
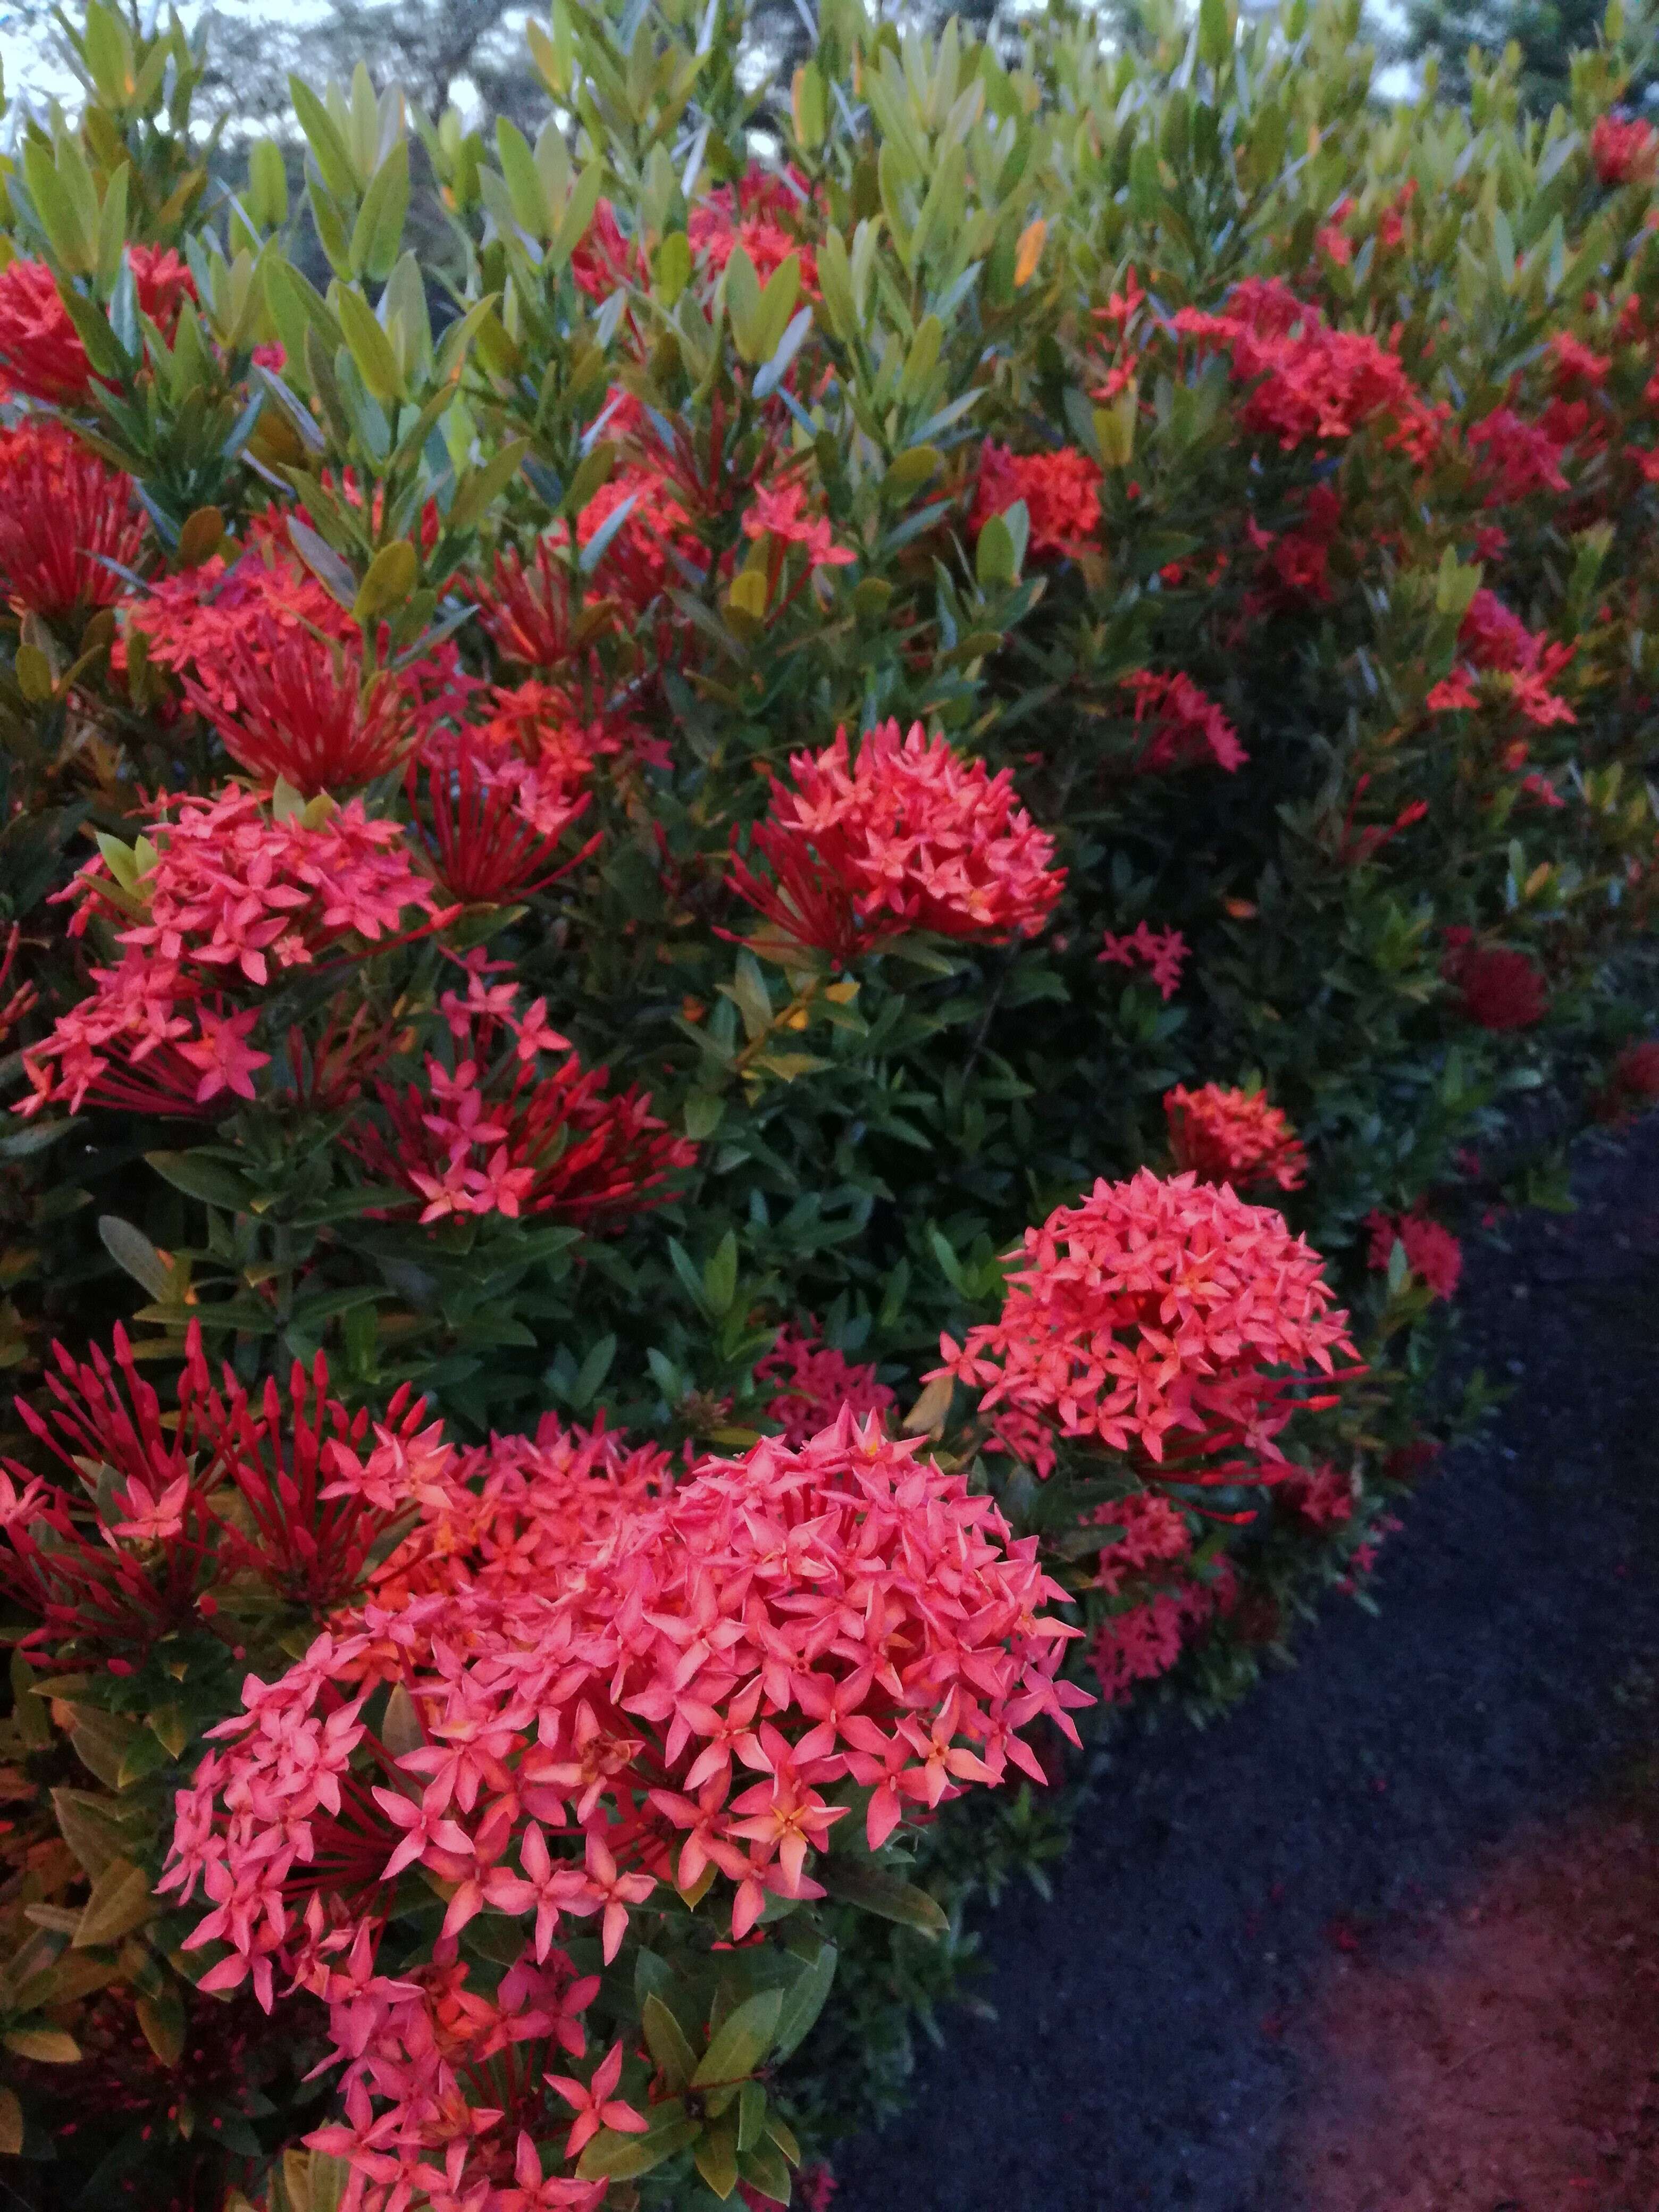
pixel 760 927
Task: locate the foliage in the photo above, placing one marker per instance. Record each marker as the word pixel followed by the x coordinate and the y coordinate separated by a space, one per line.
pixel 642 922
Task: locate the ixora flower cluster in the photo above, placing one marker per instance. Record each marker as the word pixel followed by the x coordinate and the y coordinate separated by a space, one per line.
pixel 906 837
pixel 676 1698
pixel 1166 1321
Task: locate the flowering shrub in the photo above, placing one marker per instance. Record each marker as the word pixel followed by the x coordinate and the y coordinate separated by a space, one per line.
pixel 745 998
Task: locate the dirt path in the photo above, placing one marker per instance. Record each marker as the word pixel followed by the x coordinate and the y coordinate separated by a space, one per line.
pixel 1258 1980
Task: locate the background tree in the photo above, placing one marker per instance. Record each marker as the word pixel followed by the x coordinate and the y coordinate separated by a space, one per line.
pixel 1547 32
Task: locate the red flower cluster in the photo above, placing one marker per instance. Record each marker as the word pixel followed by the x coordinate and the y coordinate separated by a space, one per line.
pixel 780 515
pixel 64 518
pixel 1323 1497
pixel 42 356
pixel 1296 564
pixel 220 895
pixel 496 819
pixel 1061 492
pixel 908 836
pixel 814 1383
pixel 1147 1638
pixel 1520 458
pixel 1520 664
pixel 1633 1084
pixel 1152 1532
pixel 756 213
pixel 188 1508
pixel 1309 381
pixel 1156 1317
pixel 1233 1136
pixel 689 1701
pixel 1622 148
pixel 1163 951
pixel 1501 989
pixel 1433 1252
pixel 1184 727
pixel 495 1135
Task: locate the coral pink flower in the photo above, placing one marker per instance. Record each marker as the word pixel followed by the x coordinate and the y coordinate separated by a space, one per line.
pixel 1233 1136
pixel 1622 148
pixel 596 2105
pixel 1060 491
pixel 847 1611
pixel 65 517
pixel 813 1383
pixel 40 351
pixel 1166 1318
pixel 908 836
pixel 1184 726
pixel 1324 1496
pixel 1163 952
pixel 1433 1252
pixel 225 895
pixel 781 514
pixel 1144 1641
pixel 1152 1534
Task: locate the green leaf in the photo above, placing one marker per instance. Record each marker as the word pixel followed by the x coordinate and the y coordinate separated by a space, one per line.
pixel 378 233
pixel 120 1901
pixel 49 2046
pixel 742 2042
pixel 763 2170
pixel 480 489
pixel 720 1276
pixel 611 2156
pixel 392 576
pixel 333 573
pixel 132 1251
pixel 209 1180
pixel 70 240
pixel 367 343
pixel 162 2020
pixel 90 1826
pixel 804 2000
pixel 666 2040
pixel 327 147
pixel 885 1895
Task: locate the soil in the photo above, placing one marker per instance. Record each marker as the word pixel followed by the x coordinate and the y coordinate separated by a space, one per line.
pixel 1387 1938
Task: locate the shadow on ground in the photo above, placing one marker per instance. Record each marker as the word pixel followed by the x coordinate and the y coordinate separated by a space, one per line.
pixel 1163 2030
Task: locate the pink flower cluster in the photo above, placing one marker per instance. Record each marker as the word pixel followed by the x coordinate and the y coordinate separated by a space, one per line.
pixel 223 894
pixel 1165 1319
pixel 40 351
pixel 908 836
pixel 1233 1136
pixel 1182 725
pixel 1433 1252
pixel 812 1383
pixel 1163 952
pixel 686 1700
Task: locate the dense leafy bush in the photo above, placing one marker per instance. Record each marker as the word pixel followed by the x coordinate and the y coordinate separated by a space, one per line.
pixel 754 948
